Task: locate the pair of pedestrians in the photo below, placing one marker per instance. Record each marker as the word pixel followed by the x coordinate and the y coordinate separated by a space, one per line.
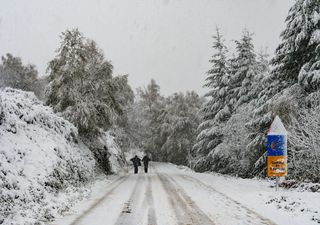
pixel 137 162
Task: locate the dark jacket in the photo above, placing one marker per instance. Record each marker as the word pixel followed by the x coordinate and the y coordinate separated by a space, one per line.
pixel 136 161
pixel 146 160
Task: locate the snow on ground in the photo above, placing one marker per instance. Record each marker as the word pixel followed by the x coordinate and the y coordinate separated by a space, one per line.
pixel 96 190
pixel 169 194
pixel 130 199
pixel 283 207
pixel 42 164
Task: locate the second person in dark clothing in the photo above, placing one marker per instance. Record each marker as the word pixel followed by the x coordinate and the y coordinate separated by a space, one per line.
pixel 146 161
pixel 136 163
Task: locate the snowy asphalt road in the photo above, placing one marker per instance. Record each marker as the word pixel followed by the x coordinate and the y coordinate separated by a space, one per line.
pixel 165 196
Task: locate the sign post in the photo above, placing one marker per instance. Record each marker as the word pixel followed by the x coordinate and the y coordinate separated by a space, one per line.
pixel 277 150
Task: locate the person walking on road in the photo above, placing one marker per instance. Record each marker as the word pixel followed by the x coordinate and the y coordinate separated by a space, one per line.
pixel 136 163
pixel 146 161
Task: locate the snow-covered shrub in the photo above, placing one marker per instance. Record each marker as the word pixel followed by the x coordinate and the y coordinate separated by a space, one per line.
pixel 116 159
pixel 304 131
pixel 40 155
pixel 108 154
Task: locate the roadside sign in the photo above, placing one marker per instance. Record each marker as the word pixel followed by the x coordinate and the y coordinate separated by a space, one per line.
pixel 277 166
pixel 277 149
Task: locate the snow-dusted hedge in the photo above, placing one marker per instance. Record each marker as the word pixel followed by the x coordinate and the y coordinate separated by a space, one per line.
pixel 40 155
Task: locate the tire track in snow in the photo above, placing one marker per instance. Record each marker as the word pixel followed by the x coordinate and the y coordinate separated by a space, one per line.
pixel 250 213
pixel 150 202
pixel 131 211
pixel 137 208
pixel 186 210
pixel 113 186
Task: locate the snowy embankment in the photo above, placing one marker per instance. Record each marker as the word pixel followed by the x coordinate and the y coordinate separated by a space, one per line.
pixel 43 164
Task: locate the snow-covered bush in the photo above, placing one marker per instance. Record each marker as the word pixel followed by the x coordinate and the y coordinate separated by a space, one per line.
pixel 40 155
pixel 117 159
pixel 107 152
pixel 304 131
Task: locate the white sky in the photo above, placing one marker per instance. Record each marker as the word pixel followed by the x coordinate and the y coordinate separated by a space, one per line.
pixel 168 40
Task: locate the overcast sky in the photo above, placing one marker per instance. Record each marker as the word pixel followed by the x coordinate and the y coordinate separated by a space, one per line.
pixel 168 40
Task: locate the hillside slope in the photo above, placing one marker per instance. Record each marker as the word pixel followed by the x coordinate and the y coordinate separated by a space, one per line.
pixel 43 164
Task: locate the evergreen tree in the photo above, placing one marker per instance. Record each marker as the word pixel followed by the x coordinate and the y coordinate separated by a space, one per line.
pixel 300 41
pixel 217 79
pixel 309 75
pixel 262 76
pixel 246 70
pixel 217 108
pixel 234 82
pixel 263 62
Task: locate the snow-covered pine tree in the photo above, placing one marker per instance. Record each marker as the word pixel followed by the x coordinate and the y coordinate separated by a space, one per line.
pixel 242 147
pixel 300 45
pixel 262 76
pixel 224 152
pixel 216 109
pixel 263 61
pixel 217 81
pixel 309 75
pixel 245 71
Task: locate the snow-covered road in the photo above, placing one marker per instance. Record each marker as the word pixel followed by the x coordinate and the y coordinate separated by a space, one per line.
pixel 164 196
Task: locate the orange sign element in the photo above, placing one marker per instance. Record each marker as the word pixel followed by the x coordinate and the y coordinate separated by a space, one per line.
pixel 277 166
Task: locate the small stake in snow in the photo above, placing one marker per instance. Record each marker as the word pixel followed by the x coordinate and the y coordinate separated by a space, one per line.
pixel 277 150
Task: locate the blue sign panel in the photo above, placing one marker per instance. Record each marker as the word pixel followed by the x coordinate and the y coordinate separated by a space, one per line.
pixel 276 145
